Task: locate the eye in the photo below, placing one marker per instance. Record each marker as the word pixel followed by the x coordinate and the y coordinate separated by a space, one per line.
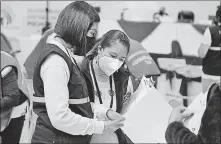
pixel 113 56
pixel 92 33
pixel 122 59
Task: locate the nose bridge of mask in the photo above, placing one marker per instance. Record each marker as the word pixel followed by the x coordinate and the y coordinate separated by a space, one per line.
pixel 113 62
pixel 109 65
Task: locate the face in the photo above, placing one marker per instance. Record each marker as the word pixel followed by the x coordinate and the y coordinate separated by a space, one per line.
pixel 93 30
pixel 111 58
pixel 116 51
pixel 91 37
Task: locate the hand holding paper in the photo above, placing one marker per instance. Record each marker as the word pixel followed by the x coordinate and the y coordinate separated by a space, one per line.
pixel 179 114
pixel 198 106
pixel 114 125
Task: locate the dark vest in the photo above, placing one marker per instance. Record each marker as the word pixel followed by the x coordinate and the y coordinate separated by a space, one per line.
pixel 212 61
pixel 121 81
pixel 78 99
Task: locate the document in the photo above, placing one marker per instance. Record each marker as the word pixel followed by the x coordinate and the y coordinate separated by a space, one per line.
pixel 198 107
pixel 147 119
pixel 143 89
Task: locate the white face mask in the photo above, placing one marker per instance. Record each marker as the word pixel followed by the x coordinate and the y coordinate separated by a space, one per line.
pixel 109 65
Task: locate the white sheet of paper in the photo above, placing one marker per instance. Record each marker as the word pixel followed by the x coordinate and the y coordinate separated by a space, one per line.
pixel 143 89
pixel 198 106
pixel 147 120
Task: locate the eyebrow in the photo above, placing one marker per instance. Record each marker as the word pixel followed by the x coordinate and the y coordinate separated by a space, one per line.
pixel 116 54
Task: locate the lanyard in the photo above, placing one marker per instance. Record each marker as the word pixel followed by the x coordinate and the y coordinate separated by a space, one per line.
pixel 111 92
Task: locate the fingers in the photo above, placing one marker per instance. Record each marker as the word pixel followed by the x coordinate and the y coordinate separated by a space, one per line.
pixel 119 120
pixel 182 109
pixel 118 115
pixel 187 115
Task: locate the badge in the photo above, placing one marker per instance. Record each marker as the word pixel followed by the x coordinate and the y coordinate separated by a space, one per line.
pixel 126 97
pixel 111 93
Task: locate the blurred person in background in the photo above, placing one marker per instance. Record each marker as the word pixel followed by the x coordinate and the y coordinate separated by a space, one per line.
pixel 186 17
pixel 61 99
pixel 13 98
pixel 160 14
pixel 210 52
pixel 210 128
pixel 106 84
pixel 6 46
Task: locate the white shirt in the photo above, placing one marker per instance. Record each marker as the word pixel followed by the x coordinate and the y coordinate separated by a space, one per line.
pixel 106 98
pixel 207 40
pixel 55 75
pixel 104 87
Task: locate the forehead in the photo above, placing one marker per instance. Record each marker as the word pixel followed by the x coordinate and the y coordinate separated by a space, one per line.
pixel 118 48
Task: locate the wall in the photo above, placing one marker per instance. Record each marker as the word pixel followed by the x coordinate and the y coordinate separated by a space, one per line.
pixel 29 16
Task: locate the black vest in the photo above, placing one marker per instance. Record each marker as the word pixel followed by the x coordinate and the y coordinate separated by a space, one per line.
pixel 212 61
pixel 121 81
pixel 77 90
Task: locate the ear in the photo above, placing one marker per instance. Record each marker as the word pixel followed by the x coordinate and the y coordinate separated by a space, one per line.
pixel 99 49
pixel 73 49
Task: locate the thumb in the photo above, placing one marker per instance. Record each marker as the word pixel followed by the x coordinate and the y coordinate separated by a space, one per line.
pixel 119 120
pixel 182 109
pixel 187 115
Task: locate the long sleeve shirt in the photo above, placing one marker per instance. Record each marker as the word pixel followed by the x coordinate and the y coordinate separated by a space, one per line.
pixel 10 90
pixel 55 75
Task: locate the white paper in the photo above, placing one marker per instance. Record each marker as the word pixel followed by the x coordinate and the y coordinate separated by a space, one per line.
pixel 143 89
pixel 147 120
pixel 198 107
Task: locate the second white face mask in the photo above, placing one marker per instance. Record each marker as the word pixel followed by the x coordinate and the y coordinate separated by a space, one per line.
pixel 109 65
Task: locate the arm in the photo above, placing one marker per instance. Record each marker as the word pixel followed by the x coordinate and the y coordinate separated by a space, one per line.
pixel 56 97
pixel 205 45
pixel 177 133
pixel 10 88
pixel 209 131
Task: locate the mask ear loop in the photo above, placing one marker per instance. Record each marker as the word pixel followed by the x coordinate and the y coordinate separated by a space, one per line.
pixel 111 92
pixel 98 54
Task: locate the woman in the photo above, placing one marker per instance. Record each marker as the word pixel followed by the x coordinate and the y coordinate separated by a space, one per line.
pixel 106 84
pixel 61 97
pixel 210 129
pixel 210 52
pixel 13 98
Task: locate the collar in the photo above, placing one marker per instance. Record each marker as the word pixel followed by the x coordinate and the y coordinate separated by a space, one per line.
pixel 51 40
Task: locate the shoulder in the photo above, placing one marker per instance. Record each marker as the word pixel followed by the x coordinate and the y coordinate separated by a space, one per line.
pixel 53 61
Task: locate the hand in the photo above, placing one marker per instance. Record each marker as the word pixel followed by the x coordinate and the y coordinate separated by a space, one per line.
pixel 112 115
pixel 114 125
pixel 179 115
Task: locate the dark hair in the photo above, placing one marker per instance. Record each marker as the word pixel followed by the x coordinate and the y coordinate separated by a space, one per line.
pixel 107 40
pixel 218 14
pixel 73 23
